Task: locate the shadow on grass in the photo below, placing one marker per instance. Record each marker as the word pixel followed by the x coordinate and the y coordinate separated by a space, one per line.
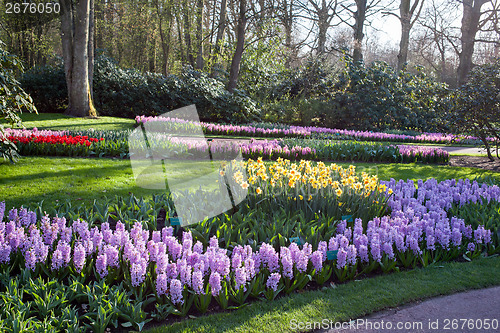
pixel 110 125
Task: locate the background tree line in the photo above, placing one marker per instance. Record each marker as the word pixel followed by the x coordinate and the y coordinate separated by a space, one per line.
pixel 162 36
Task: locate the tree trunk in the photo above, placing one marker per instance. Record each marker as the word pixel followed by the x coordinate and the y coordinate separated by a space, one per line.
pixel 261 18
pixel 75 44
pixel 219 38
pixel 179 36
pixel 405 19
pixel 470 26
pixel 199 34
pixel 288 23
pixel 322 29
pixel 187 33
pixel 165 36
pixel 359 18
pixel 240 43
pixel 99 14
pixel 91 48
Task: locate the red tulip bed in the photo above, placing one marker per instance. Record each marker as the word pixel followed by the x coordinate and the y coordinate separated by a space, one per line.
pixel 55 139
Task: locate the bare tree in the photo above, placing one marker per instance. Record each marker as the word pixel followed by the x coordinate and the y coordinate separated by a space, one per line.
pixel 321 12
pixel 220 37
pixel 199 33
pixel 164 13
pixel 240 43
pixel 437 42
pixel 479 26
pixel 359 19
pixel 360 11
pixel 75 36
pixel 470 27
pixel 285 12
pixel 408 15
pixel 187 31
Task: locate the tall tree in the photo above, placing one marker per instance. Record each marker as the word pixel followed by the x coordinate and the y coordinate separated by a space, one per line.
pixel 164 12
pixel 436 43
pixel 75 36
pixel 321 12
pixel 187 31
pixel 470 27
pixel 219 39
pixel 408 15
pixel 359 24
pixel 240 43
pixel 199 34
pixel 285 12
pixel 359 11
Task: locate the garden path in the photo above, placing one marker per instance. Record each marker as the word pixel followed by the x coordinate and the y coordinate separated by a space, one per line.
pixel 435 313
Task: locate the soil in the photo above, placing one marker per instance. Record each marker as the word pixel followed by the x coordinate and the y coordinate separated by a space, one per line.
pixel 481 162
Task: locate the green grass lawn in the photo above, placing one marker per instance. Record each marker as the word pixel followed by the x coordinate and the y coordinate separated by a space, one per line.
pixel 347 301
pixel 60 122
pixel 34 179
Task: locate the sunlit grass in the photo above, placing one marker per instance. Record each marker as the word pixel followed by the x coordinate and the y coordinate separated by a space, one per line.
pixel 60 122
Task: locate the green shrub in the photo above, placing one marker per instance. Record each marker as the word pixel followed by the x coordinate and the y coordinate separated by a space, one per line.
pixel 375 97
pixel 477 106
pixel 13 99
pixel 47 87
pixel 299 96
pixel 380 98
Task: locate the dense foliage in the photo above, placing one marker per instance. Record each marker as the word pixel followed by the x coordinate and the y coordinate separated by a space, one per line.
pixel 47 87
pixel 374 97
pixel 129 93
pixel 13 99
pixel 477 105
pixel 362 97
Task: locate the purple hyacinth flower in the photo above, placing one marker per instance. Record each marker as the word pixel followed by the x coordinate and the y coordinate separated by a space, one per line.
pixel 273 281
pixel 2 210
pixel 240 277
pixel 79 257
pixel 30 259
pixel 197 282
pixel 102 265
pixel 5 251
pixel 341 258
pixel 176 292
pixel 13 215
pixel 161 284
pixel 317 261
pixel 215 283
pixel 351 254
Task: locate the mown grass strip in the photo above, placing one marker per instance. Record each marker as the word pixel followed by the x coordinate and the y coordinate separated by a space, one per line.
pixel 61 122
